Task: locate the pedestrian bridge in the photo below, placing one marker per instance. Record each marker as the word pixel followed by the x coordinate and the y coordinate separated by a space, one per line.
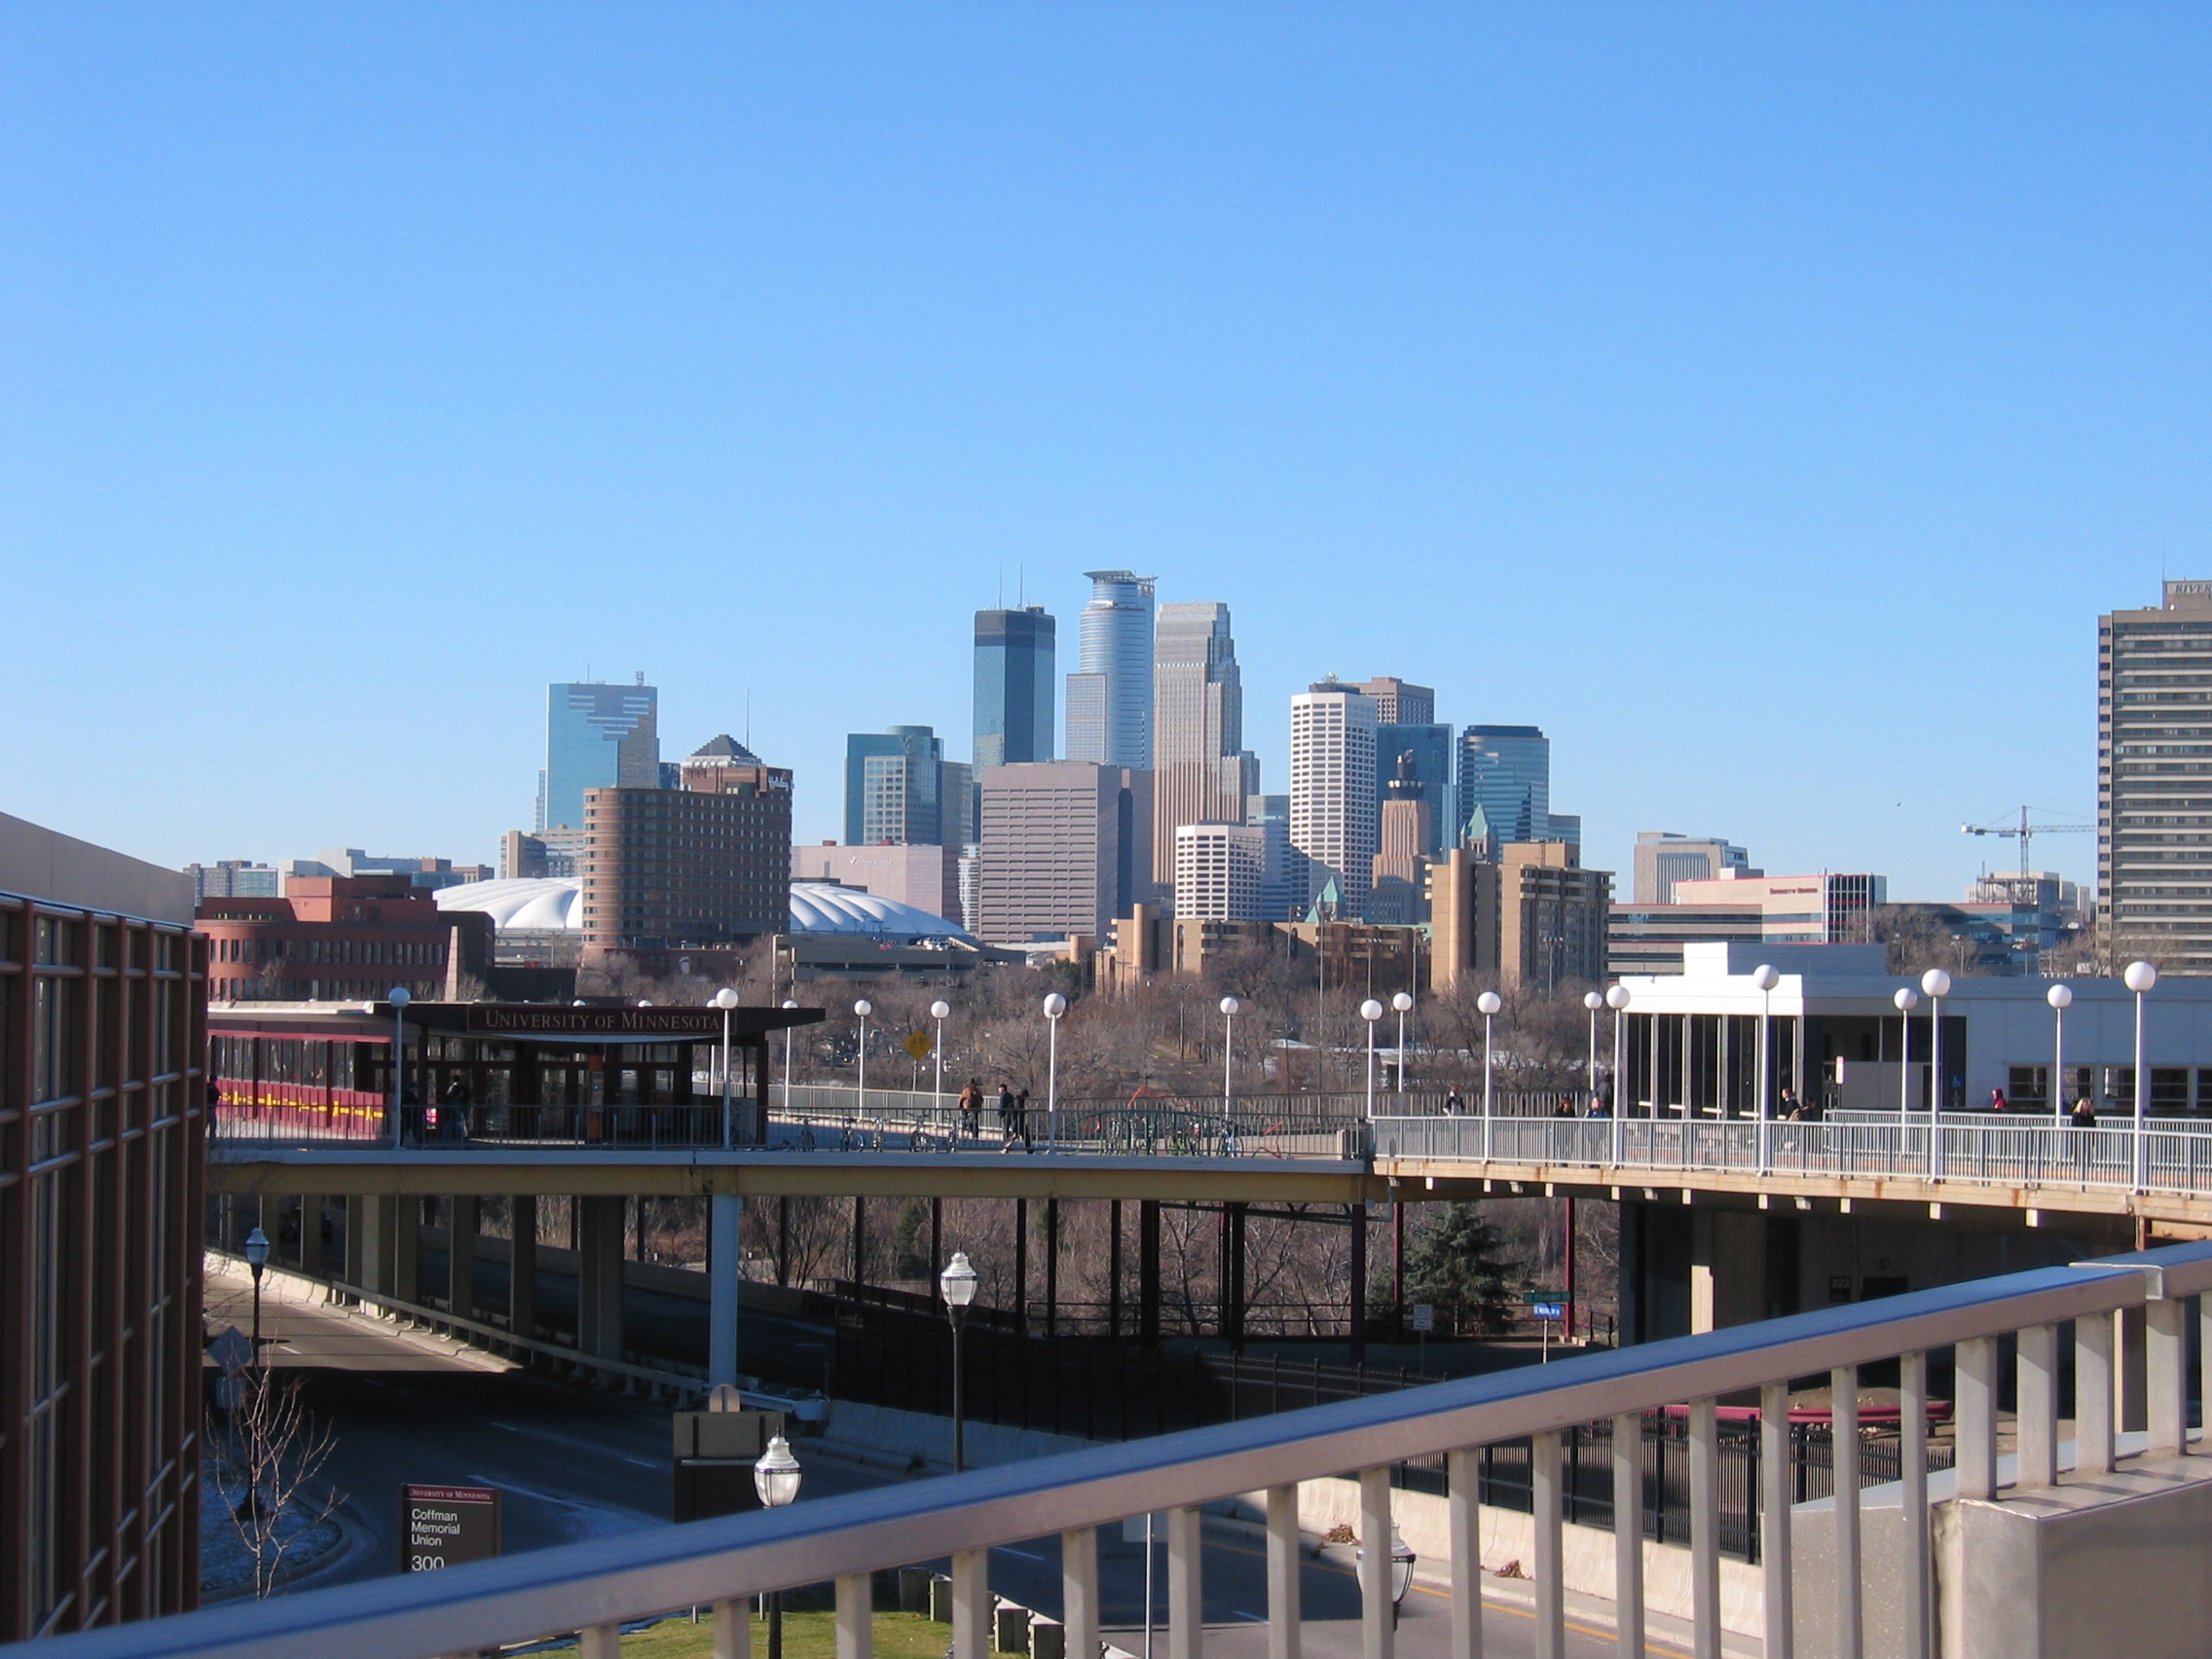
pixel 2089 1544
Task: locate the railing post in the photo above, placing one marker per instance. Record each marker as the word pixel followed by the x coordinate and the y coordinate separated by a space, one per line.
pixel 1774 1523
pixel 2038 1406
pixel 1912 1467
pixel 1463 1475
pixel 1976 1423
pixel 1079 1591
pixel 733 1629
pixel 1551 1582
pixel 1628 1530
pixel 2092 1394
pixel 1705 1528
pixel 856 1616
pixel 2166 1375
pixel 1843 1461
pixel 970 1605
pixel 1283 1609
pixel 1186 1585
pixel 1375 1609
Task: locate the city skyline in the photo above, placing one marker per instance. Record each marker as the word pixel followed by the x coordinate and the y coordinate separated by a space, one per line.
pixel 1909 414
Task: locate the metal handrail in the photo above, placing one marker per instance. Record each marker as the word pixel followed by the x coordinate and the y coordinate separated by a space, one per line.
pixel 594 1587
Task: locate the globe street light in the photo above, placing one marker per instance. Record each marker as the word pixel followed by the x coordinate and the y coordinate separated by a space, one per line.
pixel 1370 1011
pixel 725 999
pixel 1230 1008
pixel 399 997
pixel 864 1008
pixel 1593 1001
pixel 2060 998
pixel 1487 1004
pixel 1907 999
pixel 1403 1002
pixel 1055 1006
pixel 1766 978
pixel 1937 984
pixel 2139 979
pixel 1617 999
pixel 775 1478
pixel 957 1284
pixel 940 1010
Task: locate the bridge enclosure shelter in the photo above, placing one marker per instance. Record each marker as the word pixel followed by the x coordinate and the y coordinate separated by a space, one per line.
pixel 1836 1036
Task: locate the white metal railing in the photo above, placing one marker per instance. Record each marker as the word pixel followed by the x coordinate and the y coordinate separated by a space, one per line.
pixel 1996 1152
pixel 592 1588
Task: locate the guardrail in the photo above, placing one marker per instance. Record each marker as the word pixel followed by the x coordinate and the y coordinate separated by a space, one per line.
pixel 592 1588
pixel 1994 1151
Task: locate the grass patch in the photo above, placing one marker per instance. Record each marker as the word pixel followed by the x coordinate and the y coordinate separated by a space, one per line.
pixel 806 1635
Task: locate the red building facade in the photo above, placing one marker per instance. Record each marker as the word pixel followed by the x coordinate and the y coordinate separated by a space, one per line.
pixel 341 939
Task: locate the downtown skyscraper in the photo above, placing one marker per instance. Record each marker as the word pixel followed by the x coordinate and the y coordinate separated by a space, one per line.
pixel 2154 779
pixel 1334 812
pixel 597 736
pixel 1014 685
pixel 1109 708
pixel 1202 773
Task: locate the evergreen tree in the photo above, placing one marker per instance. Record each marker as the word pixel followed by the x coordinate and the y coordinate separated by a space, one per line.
pixel 1456 1261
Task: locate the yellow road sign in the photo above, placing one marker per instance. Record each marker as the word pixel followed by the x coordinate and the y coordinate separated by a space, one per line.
pixel 919 1045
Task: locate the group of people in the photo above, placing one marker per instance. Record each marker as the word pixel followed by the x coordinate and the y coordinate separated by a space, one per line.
pixel 1012 1110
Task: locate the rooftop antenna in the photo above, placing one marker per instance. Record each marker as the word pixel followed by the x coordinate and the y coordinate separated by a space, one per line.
pixel 1021 583
pixel 749 716
pixel 1002 584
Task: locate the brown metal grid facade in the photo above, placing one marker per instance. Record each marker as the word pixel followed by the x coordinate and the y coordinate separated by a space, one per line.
pixel 102 1180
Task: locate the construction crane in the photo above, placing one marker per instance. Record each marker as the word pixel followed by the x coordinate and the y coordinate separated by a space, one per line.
pixel 2025 833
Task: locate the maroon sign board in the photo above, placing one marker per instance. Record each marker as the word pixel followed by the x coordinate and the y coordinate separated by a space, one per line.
pixel 445 1526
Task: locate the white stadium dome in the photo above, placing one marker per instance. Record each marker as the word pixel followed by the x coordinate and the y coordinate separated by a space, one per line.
pixel 554 905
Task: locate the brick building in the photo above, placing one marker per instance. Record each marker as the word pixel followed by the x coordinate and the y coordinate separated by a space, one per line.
pixel 338 938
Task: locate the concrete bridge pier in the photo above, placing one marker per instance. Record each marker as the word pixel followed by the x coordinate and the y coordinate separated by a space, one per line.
pixel 600 1229
pixel 725 1212
pixel 522 1265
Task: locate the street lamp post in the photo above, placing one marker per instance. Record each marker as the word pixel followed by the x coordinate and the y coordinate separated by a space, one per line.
pixel 775 1478
pixel 1907 999
pixel 1593 1001
pixel 1370 1011
pixel 2060 998
pixel 958 1284
pixel 789 1031
pixel 1403 1002
pixel 725 999
pixel 2139 979
pixel 256 1258
pixel 1230 1008
pixel 1766 978
pixel 1938 986
pixel 940 1010
pixel 399 997
pixel 1055 1006
pixel 1617 999
pixel 1488 1005
pixel 864 1008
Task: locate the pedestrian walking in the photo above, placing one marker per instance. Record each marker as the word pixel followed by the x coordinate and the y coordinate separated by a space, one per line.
pixel 453 1114
pixel 2085 1113
pixel 1006 1110
pixel 1021 1119
pixel 1997 1101
pixel 1455 1103
pixel 971 1119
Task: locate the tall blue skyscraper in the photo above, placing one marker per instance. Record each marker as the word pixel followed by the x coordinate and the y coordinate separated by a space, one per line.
pixel 1430 746
pixel 597 736
pixel 1506 770
pixel 1014 676
pixel 895 786
pixel 1110 693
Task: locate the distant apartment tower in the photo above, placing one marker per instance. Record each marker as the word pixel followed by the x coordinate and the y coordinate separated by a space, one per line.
pixel 1014 674
pixel 1110 693
pixel 1282 869
pixel 895 788
pixel 2154 779
pixel 1066 849
pixel 1535 919
pixel 1200 771
pixel 597 736
pixel 1506 770
pixel 704 866
pixel 1220 873
pixel 1664 858
pixel 234 878
pixel 1398 703
pixel 1332 809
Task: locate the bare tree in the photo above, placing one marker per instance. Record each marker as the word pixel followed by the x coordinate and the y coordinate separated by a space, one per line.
pixel 266 1474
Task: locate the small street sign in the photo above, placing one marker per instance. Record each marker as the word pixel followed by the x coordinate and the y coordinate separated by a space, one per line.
pixel 919 1045
pixel 232 1350
pixel 1424 1317
pixel 1548 1310
pixel 445 1526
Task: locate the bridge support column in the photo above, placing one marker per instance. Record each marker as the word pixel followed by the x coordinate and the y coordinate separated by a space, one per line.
pixel 599 1276
pixel 1148 1273
pixel 461 1259
pixel 522 1266
pixel 1359 1215
pixel 360 1266
pixel 2129 1353
pixel 725 1211
pixel 311 1236
pixel 1727 1269
pixel 395 1246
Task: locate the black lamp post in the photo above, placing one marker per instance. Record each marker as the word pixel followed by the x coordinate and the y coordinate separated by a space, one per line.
pixel 256 1258
pixel 958 1283
pixel 775 1478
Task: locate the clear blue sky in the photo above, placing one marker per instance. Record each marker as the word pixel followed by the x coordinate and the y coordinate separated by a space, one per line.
pixel 1765 400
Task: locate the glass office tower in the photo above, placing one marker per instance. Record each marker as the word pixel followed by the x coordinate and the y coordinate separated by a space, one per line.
pixel 1015 656
pixel 1506 770
pixel 1110 693
pixel 597 737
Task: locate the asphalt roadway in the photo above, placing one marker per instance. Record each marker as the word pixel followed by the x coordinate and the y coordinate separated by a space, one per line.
pixel 575 1463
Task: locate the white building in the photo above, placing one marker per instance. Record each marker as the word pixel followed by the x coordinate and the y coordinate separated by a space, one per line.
pixel 1200 772
pixel 1333 805
pixel 1220 873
